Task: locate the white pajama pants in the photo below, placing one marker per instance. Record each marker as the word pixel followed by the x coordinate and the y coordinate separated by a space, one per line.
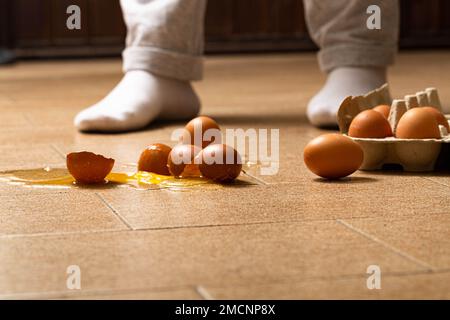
pixel 165 37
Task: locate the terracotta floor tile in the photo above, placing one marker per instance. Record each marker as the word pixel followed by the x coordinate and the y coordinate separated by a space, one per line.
pixel 163 294
pixel 31 135
pixel 11 119
pixel 414 286
pixel 125 148
pixel 29 156
pixel 395 220
pixel 147 295
pixel 214 256
pixel 200 206
pixel 75 87
pixel 306 200
pixel 55 212
pixel 423 236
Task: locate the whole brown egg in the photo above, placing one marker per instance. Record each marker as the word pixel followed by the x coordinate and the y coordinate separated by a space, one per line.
pixel 418 123
pixel 202 132
pixel 369 124
pixel 333 156
pixel 220 162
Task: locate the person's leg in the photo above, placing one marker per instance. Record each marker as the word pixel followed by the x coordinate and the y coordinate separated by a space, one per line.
pixel 354 57
pixel 163 54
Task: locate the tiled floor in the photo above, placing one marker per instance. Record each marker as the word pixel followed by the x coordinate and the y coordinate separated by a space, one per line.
pixel 285 236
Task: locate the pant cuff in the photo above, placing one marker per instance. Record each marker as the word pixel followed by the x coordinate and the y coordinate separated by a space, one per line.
pixel 164 63
pixel 355 56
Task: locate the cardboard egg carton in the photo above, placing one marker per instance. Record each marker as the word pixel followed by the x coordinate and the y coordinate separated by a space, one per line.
pixel 409 154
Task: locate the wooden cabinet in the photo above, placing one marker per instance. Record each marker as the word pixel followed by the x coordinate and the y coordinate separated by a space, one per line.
pixel 38 27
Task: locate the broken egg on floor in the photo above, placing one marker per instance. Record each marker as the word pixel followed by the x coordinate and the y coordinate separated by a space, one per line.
pixel 202 132
pixel 181 161
pixel 88 168
pixel 220 162
pixel 333 156
pixel 418 123
pixel 154 159
pixel 369 124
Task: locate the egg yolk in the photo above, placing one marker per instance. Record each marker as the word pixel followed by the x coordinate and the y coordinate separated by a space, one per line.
pixel 181 161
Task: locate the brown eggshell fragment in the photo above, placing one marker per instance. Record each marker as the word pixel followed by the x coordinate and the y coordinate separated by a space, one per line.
pixel 88 168
pixel 197 128
pixel 154 159
pixel 181 161
pixel 333 156
pixel 220 162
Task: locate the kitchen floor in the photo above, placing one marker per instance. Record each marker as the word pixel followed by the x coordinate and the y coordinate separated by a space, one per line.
pixel 284 236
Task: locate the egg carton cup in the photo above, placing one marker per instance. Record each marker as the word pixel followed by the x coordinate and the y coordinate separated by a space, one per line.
pixel 417 155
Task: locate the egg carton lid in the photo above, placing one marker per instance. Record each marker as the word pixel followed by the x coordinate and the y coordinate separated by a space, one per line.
pixel 352 105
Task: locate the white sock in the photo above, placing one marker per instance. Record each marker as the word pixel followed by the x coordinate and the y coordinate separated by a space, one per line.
pixel 342 82
pixel 137 100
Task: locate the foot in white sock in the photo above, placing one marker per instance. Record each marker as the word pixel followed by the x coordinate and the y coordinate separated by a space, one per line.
pixel 342 82
pixel 137 100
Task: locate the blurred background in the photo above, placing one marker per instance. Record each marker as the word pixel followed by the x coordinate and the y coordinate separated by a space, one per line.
pixel 37 28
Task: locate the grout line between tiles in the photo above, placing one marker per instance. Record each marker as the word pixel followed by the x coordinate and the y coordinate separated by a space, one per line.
pixel 255 178
pixel 57 234
pixel 28 119
pixel 89 292
pixel 58 151
pixel 129 228
pixel 6 236
pixel 204 293
pixel 386 245
pixel 116 213
pixel 437 182
pixel 225 225
pixel 362 277
pixel 46 234
pixel 201 290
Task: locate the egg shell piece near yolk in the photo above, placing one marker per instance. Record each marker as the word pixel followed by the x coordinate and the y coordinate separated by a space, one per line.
pixel 418 123
pixel 333 156
pixel 88 168
pixel 369 124
pixel 154 159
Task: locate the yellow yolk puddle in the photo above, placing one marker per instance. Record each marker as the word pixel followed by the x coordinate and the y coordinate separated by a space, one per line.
pixel 60 178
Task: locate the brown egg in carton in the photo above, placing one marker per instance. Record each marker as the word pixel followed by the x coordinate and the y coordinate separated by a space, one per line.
pixel 409 154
